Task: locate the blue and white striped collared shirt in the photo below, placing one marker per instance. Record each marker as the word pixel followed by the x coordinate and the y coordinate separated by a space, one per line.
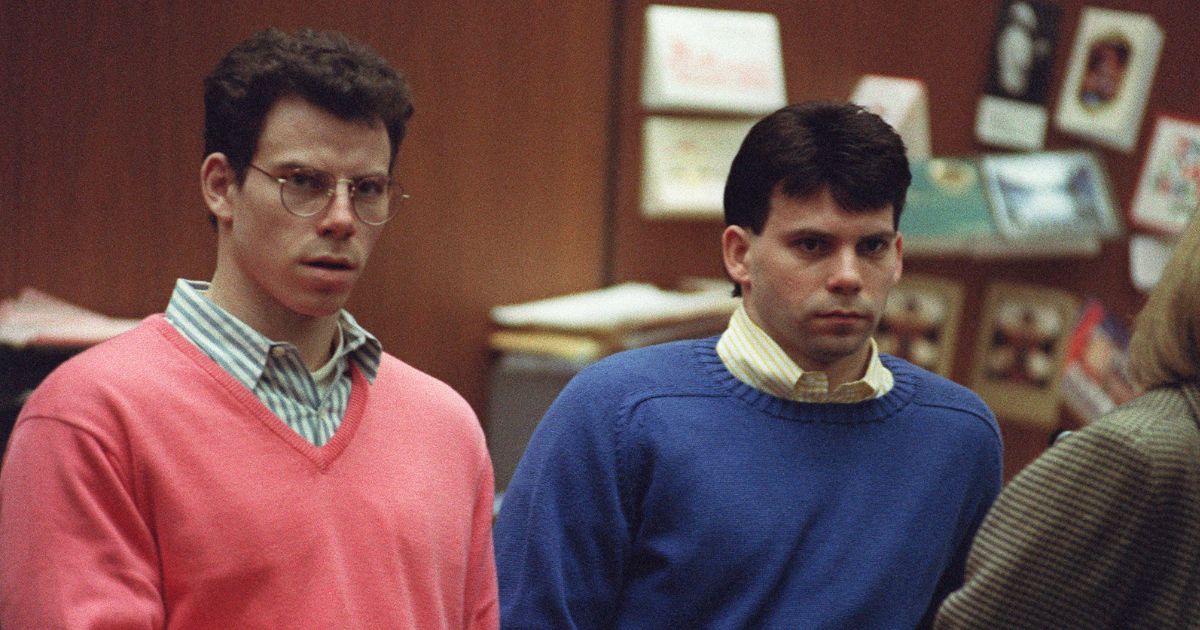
pixel 273 370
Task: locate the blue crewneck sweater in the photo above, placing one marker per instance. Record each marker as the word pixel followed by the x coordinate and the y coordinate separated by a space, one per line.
pixel 661 492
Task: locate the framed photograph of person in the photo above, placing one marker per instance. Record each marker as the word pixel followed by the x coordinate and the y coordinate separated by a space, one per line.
pixel 1111 69
pixel 685 162
pixel 920 321
pixel 1020 348
pixel 1052 199
pixel 1168 190
pixel 1013 110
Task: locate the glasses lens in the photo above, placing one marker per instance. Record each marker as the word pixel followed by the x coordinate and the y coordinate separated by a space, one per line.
pixel 376 199
pixel 305 192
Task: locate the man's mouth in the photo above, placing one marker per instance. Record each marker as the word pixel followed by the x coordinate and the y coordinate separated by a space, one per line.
pixel 842 314
pixel 332 264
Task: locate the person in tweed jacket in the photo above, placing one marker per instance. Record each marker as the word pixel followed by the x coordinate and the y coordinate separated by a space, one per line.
pixel 1103 530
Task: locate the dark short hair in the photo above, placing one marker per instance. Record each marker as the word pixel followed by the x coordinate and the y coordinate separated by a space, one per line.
pixel 809 147
pixel 325 68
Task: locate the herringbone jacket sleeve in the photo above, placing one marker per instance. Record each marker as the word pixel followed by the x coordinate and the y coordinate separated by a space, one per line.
pixel 1095 533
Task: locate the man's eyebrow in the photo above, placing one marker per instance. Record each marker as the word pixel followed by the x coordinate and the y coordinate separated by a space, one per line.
pixel 814 233
pixel 884 234
pixel 295 165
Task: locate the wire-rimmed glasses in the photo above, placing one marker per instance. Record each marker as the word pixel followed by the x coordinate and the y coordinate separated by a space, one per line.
pixel 305 192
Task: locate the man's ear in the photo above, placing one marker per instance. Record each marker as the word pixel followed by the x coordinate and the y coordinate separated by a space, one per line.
pixel 217 182
pixel 735 249
pixel 899 257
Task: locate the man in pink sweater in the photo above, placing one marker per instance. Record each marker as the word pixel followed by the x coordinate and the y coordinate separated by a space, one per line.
pixel 252 458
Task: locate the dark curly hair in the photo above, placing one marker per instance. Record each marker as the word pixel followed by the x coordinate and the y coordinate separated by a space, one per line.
pixel 325 68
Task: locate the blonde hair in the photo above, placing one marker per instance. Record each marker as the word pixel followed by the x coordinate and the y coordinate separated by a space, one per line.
pixel 1164 350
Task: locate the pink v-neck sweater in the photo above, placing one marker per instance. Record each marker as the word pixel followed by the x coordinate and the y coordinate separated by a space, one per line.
pixel 145 488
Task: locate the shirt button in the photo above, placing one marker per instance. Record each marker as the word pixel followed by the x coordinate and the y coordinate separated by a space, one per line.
pixel 279 352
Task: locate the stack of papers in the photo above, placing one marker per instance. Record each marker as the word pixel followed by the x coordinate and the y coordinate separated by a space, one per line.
pixel 590 324
pixel 36 318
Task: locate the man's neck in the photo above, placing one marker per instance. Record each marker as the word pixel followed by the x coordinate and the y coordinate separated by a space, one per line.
pixel 314 337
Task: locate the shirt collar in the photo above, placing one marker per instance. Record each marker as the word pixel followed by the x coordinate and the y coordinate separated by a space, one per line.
pixel 752 356
pixel 241 350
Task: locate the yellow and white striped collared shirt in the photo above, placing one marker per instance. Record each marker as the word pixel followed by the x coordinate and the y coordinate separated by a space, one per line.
pixel 752 356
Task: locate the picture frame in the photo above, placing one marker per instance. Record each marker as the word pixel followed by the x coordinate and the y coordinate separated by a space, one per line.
pixel 712 60
pixel 920 321
pixel 685 162
pixel 1109 76
pixel 1052 197
pixel 1020 349
pixel 1168 189
pixel 1013 111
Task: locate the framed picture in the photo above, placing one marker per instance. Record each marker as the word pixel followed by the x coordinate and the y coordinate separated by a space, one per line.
pixel 685 162
pixel 1168 190
pixel 920 321
pixel 1050 196
pixel 1020 349
pixel 1112 66
pixel 1012 111
pixel 699 59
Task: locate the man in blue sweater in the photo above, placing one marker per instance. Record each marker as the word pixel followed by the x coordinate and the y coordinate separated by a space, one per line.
pixel 783 474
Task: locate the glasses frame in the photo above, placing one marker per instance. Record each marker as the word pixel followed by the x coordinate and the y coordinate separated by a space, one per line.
pixel 331 192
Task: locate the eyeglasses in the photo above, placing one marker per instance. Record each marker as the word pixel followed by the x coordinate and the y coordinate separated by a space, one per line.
pixel 305 192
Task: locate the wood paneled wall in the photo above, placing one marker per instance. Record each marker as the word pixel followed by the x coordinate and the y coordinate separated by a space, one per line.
pixel 827 46
pixel 505 157
pixel 508 157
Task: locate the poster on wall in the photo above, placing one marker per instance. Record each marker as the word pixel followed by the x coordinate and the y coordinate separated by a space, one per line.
pixel 1020 349
pixel 712 60
pixel 1013 111
pixel 1108 82
pixel 1168 190
pixel 685 162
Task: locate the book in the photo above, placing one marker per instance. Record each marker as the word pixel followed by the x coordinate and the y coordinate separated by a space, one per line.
pixel 946 211
pixel 1110 73
pixel 1058 201
pixel 1096 376
pixel 950 212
